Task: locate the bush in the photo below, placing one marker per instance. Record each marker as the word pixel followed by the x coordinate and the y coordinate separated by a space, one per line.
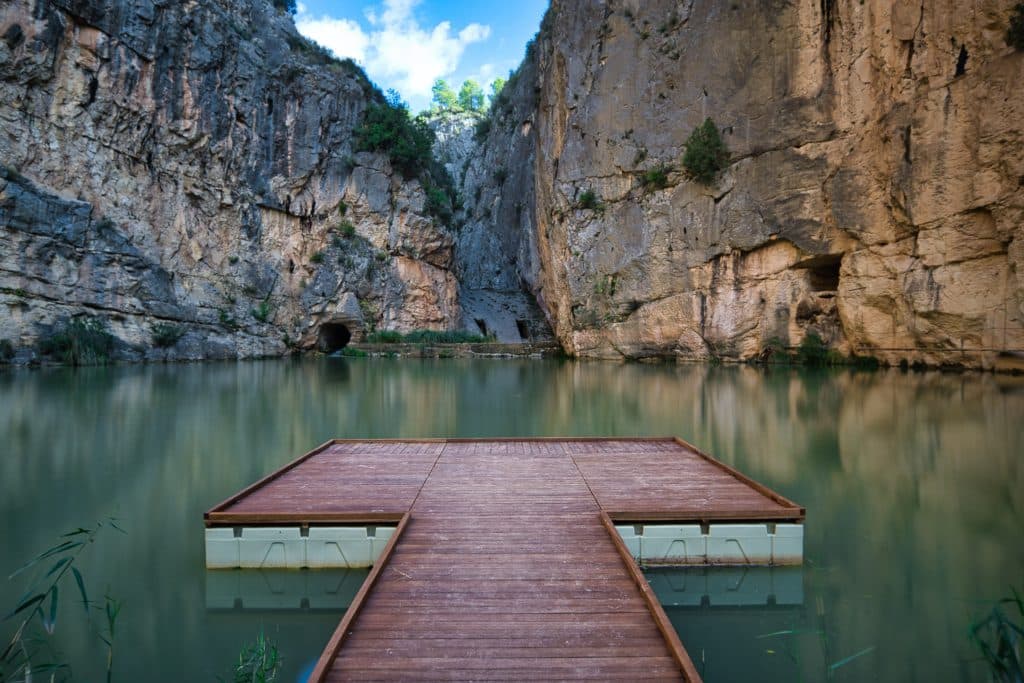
pixel 656 178
pixel 706 154
pixel 83 341
pixel 482 129
pixel 439 204
pixel 347 230
pixel 1015 32
pixel 166 335
pixel 812 351
pixel 388 128
pixel 589 201
pixel 262 312
pixel 6 350
pixel 286 6
pixel 426 337
pixel 317 257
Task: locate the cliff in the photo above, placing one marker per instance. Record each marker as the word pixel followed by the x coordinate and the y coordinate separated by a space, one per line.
pixel 186 173
pixel 872 196
pixel 194 165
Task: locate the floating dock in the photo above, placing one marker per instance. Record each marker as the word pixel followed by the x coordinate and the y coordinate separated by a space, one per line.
pixel 504 559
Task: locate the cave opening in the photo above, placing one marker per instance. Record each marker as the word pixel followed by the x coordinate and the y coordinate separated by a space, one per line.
pixel 481 325
pixel 823 272
pixel 825 276
pixel 524 330
pixel 333 337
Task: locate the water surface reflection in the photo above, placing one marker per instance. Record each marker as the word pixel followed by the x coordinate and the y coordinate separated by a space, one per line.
pixel 913 483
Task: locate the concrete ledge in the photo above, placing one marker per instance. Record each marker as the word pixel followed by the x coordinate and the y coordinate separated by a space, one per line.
pixel 290 548
pixel 723 544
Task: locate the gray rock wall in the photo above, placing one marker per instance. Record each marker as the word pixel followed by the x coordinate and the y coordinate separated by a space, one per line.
pixel 194 164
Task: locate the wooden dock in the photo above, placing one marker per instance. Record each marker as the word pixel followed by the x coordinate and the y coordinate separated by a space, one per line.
pixel 505 563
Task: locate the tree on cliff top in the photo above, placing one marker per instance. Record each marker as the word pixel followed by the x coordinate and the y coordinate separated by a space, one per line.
pixel 706 154
pixel 286 5
pixel 444 97
pixel 471 96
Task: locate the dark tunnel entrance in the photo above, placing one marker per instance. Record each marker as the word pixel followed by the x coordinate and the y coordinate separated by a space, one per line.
pixel 333 337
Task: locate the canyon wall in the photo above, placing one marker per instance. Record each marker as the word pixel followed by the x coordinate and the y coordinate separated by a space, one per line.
pixel 190 169
pixel 193 165
pixel 874 193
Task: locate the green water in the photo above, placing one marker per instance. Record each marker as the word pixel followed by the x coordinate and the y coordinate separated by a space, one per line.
pixel 913 483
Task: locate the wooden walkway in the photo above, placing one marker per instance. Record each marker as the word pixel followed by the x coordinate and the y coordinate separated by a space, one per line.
pixel 506 564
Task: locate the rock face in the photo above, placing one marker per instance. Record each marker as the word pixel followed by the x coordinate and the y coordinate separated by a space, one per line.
pixel 874 195
pixel 193 164
pixel 491 161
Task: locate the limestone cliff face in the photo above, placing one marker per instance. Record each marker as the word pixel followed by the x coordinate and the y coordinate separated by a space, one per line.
pixel 193 163
pixel 491 161
pixel 874 193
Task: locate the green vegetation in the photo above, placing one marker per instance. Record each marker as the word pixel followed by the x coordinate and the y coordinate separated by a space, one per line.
pixel 82 341
pixel 408 142
pixel 812 352
pixel 347 230
pixel 12 174
pixel 444 98
pixel 227 320
pixel 482 129
pixel 166 335
pixel 426 337
pixel 285 6
pixel 388 128
pixel 6 350
pixel 655 178
pixel 317 257
pixel 439 204
pixel 706 154
pixel 589 201
pixel 262 312
pixel 999 639
pixel 1015 32
pixel 342 208
pixel 353 353
pixel 258 662
pixel 471 96
pixel 31 650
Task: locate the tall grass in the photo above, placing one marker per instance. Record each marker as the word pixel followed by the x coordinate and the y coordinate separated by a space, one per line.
pixel 29 650
pixel 82 341
pixel 999 639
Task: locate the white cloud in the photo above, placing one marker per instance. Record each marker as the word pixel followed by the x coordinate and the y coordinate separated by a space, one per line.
pixel 397 51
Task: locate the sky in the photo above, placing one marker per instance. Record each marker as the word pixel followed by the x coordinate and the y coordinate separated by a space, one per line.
pixel 408 44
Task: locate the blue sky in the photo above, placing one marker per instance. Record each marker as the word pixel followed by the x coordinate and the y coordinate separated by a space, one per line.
pixel 407 44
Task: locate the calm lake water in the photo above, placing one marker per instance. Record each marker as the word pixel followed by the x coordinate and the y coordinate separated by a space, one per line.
pixel 913 483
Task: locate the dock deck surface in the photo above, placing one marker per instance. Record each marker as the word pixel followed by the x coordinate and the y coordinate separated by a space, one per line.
pixel 505 564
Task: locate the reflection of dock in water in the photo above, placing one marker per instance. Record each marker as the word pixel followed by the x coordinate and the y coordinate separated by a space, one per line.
pixel 329 590
pixel 506 558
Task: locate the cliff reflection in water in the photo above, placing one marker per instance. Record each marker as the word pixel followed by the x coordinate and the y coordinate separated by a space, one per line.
pixel 913 483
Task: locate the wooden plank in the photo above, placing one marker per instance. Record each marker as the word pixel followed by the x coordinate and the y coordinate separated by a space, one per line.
pixel 269 478
pixel 334 644
pixel 660 618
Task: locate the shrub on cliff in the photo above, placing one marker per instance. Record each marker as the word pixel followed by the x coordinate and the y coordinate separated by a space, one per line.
pixel 6 351
pixel 166 335
pixel 83 341
pixel 1015 33
pixel 289 6
pixel 388 128
pixel 706 154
